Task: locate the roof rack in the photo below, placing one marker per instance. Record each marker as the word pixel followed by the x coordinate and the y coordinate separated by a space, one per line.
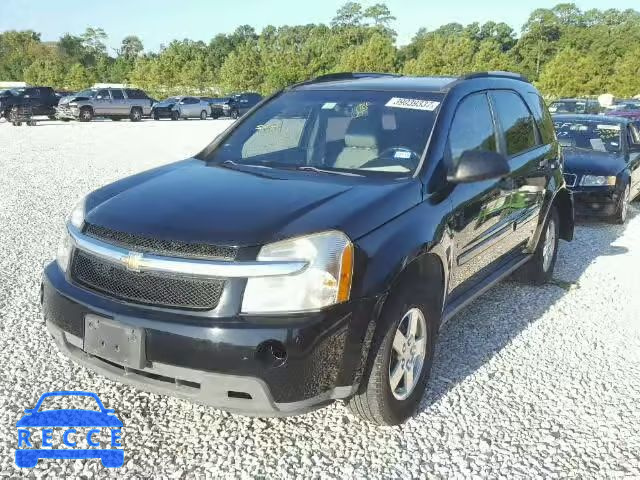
pixel 497 74
pixel 332 77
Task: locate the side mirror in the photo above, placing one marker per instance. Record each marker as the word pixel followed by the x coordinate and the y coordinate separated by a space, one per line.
pixel 475 166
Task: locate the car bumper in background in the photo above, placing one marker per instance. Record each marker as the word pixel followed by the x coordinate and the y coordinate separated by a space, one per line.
pixel 599 202
pixel 67 113
pixel 228 363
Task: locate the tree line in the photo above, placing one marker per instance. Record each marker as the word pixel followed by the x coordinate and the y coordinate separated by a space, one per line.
pixel 566 51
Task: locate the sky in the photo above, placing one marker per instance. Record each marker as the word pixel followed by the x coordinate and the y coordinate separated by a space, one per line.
pixel 158 22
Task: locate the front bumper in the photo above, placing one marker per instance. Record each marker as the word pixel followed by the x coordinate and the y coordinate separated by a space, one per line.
pixel 596 201
pixel 66 112
pixel 223 362
pixel 162 112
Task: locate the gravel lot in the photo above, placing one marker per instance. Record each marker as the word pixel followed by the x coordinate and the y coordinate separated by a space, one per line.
pixel 527 381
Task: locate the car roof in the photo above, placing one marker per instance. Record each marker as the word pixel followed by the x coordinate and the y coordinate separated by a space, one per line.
pixel 409 84
pixel 575 100
pixel 591 118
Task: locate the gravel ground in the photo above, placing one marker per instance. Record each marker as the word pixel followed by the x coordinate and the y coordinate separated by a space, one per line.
pixel 527 381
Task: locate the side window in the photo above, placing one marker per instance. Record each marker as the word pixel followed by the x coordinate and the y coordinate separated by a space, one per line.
pixel 472 128
pixel 543 118
pixel 104 94
pixel 634 135
pixel 516 120
pixel 117 94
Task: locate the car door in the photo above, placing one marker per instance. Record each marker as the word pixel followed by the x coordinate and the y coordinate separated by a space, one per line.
pixel 33 98
pixel 119 105
pixel 633 136
pixel 481 223
pixel 102 102
pixel 529 161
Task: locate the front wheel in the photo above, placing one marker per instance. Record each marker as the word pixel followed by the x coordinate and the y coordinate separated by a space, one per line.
pixel 203 115
pixel 539 269
pixel 400 362
pixel 175 115
pixel 623 208
pixel 86 114
pixel 235 114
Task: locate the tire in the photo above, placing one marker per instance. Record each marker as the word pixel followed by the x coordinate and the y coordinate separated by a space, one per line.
pixel 136 114
pixel 86 114
pixel 376 400
pixel 235 114
pixel 623 208
pixel 539 269
pixel 203 115
pixel 175 115
pixel 156 117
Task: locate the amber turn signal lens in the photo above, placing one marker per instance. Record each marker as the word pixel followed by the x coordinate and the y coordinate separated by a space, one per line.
pixel 346 272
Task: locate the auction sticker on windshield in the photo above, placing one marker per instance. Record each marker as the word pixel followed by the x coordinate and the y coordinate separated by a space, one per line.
pixel 413 104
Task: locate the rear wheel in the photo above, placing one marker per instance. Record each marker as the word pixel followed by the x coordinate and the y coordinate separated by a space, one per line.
pixel 539 269
pixel 203 115
pixel 400 359
pixel 136 114
pixel 235 114
pixel 86 114
pixel 623 207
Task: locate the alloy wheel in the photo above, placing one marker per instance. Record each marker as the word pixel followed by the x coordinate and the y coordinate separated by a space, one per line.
pixel 624 208
pixel 549 247
pixel 408 353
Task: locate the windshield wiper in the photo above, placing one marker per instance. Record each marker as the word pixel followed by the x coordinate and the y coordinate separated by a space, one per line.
pixel 306 168
pixel 235 164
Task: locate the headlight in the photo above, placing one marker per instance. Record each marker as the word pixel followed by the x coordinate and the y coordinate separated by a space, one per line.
pixel 76 217
pixel 64 250
pixel 324 282
pixel 597 181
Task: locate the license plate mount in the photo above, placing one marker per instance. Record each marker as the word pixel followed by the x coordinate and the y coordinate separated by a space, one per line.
pixel 114 341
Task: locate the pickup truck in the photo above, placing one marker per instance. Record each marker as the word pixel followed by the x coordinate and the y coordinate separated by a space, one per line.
pixel 42 100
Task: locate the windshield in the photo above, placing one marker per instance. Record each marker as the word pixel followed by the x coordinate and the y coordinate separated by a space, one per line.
pixel 357 131
pixel 85 93
pixel 600 136
pixel 568 107
pixel 171 100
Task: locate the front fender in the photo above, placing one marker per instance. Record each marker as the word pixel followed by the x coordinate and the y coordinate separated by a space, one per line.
pixel 390 249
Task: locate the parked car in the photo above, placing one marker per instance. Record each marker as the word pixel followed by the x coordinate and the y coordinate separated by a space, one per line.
pixel 39 100
pixel 575 105
pixel 113 103
pixel 216 105
pixel 312 251
pixel 176 108
pixel 631 114
pixel 239 104
pixel 602 156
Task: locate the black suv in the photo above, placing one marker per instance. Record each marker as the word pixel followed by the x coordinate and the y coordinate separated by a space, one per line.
pixel 237 105
pixel 313 251
pixel 40 100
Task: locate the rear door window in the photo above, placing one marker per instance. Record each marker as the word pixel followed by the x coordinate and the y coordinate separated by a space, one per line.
pixel 472 128
pixel 516 120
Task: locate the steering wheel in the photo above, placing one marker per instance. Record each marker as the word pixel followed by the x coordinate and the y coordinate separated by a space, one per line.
pixel 400 155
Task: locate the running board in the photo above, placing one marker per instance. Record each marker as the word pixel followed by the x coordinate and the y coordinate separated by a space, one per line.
pixel 485 284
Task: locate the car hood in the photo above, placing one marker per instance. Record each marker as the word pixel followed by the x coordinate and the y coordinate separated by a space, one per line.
pixel 164 103
pixel 69 418
pixel 586 161
pixel 243 206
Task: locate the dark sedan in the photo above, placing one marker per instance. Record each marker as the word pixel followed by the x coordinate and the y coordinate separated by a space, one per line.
pixel 602 156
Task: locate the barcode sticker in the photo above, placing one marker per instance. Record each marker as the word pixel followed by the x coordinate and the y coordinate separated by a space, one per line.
pixel 413 104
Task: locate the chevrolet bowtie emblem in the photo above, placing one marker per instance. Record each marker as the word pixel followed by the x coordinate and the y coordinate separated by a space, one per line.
pixel 133 261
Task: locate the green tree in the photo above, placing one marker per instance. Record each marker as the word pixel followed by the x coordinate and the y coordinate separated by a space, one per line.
pixel 571 73
pixel 48 71
pixel 377 55
pixel 443 55
pixel 131 47
pixel 349 15
pixel 243 69
pixel 78 77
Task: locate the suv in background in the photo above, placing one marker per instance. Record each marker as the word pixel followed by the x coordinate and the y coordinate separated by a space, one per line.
pixel 312 251
pixel 40 101
pixel 575 105
pixel 113 103
pixel 239 104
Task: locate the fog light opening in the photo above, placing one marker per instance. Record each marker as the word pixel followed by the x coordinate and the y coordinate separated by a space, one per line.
pixel 272 353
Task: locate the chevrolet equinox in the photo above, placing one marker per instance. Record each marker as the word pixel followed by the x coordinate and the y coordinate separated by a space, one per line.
pixel 313 250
